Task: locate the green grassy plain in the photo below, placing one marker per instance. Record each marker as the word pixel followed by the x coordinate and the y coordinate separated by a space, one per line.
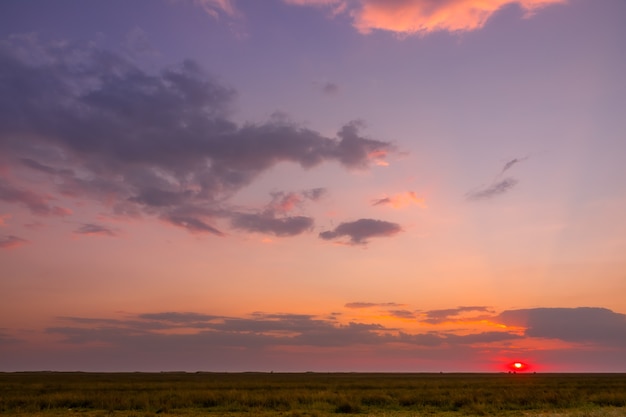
pixel 47 394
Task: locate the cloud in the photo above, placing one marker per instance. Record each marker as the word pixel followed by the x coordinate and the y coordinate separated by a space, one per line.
pixel 216 7
pixel 361 230
pixel 11 242
pixel 498 186
pixel 3 219
pixel 409 17
pixel 192 224
pixel 178 317
pixel 327 88
pixel 493 190
pixel 274 219
pixel 93 229
pixel 188 340
pixel 402 314
pixel 400 200
pixel 582 324
pixel 512 162
pixel 451 314
pixel 6 338
pixel 267 223
pixel 94 126
pixel 36 203
pixel 360 304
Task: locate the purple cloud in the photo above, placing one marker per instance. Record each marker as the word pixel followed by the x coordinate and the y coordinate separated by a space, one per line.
pixel 361 230
pixel 10 242
pixel 360 304
pixel 443 315
pixel 499 185
pixel 93 125
pixel 35 202
pixel 581 324
pixel 493 190
pixel 93 229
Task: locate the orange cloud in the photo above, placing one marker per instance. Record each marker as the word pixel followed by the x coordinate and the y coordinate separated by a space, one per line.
pixel 407 17
pixel 401 200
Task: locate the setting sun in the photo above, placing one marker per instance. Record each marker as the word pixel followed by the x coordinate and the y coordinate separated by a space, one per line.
pixel 518 366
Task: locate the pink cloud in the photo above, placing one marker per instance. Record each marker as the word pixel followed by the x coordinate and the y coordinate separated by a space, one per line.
pixel 11 242
pixel 215 7
pixel 401 200
pixel 408 17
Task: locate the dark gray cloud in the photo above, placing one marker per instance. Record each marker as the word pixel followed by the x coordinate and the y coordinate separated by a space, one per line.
pixel 269 224
pixel 492 190
pixel 94 125
pixel 330 88
pixel 582 324
pixel 275 218
pixel 402 314
pixel 499 185
pixel 178 317
pixel 6 338
pixel 11 241
pixel 361 230
pixel 192 224
pixel 381 201
pixel 512 162
pixel 94 229
pixel 443 315
pixel 327 88
pixel 31 163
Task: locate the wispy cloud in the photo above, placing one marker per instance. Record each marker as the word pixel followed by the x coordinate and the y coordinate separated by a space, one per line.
pixel 94 229
pixel 450 314
pixel 409 17
pixel 492 190
pixel 35 202
pixel 327 88
pixel 400 200
pixel 361 230
pixel 512 162
pixel 498 186
pixel 11 242
pixel 360 304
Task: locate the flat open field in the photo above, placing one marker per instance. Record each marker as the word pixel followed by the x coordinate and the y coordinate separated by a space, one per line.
pixel 48 394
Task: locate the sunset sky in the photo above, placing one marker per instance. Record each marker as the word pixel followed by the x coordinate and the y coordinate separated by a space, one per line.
pixel 313 185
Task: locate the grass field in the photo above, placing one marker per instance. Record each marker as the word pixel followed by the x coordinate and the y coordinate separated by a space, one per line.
pixel 311 394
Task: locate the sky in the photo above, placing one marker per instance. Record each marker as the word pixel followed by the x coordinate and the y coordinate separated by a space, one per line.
pixel 313 185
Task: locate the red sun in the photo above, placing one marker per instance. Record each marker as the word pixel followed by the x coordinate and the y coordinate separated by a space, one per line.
pixel 518 366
